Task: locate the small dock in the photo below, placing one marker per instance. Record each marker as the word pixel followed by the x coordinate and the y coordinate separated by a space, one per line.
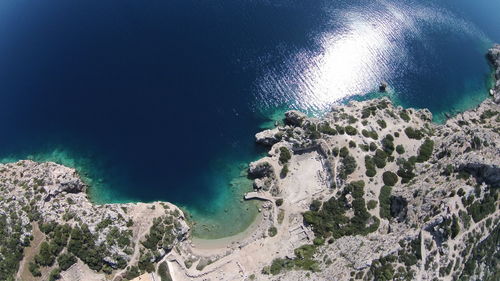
pixel 258 196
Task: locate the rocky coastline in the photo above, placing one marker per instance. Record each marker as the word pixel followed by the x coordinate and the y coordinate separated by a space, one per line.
pixel 369 191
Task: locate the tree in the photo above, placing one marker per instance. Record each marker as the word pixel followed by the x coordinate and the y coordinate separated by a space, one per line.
pixel 44 257
pixel 285 155
pixel 66 260
pixel 389 178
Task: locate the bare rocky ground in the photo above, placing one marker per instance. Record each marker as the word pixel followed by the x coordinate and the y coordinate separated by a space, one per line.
pixel 367 192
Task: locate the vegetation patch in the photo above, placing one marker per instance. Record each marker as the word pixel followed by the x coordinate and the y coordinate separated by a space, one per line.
pixel 425 150
pixel 389 178
pixel 370 167
pixel 285 155
pixel 414 133
pixel 384 200
pixel 331 220
pixel 404 115
pixel 350 130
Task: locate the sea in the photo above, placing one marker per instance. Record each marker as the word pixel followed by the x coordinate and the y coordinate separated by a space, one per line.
pixel 161 99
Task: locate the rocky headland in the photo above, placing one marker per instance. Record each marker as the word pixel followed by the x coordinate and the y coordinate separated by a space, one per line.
pixel 369 191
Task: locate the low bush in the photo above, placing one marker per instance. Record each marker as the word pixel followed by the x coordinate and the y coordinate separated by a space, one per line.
pixel 272 231
pixel 400 149
pixel 389 178
pixel 326 129
pixel 352 144
pixel 405 171
pixel 344 151
pixel 348 166
pixel 380 158
pixel 350 130
pixel 279 202
pixel 425 150
pixel 285 155
pixel 388 144
pixel 384 199
pixel 371 204
pixel 382 123
pixel 404 116
pixel 414 133
pixel 370 167
pixel 66 260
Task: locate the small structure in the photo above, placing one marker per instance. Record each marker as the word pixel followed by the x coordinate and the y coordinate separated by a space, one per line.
pixel 383 86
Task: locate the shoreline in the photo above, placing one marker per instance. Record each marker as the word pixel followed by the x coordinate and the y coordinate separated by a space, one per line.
pixel 226 242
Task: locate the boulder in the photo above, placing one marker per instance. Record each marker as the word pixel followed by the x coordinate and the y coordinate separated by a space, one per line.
pixel 268 137
pixel 260 169
pixel 294 118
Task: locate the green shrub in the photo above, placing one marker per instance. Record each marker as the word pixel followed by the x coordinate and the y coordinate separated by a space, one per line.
pixel 34 269
pixel 400 149
pixel 272 231
pixel 55 274
pixel 331 220
pixel 344 151
pixel 370 167
pixel 380 158
pixel 318 241
pixel 425 150
pixel 389 178
pixel 348 166
pixel 284 171
pixel 371 204
pixel 45 256
pixel 340 129
pixel 367 111
pixel 488 114
pixel 82 244
pixel 388 145
pixel 279 202
pixel 364 147
pixel 326 129
pixel 356 188
pixel 350 130
pixel 335 151
pixel 404 116
pixel 382 123
pixel 405 171
pixel 285 155
pixel 482 208
pixel 455 227
pixel 66 260
pixel 373 146
pixel 384 199
pixel 369 134
pixel 414 133
pixel 352 144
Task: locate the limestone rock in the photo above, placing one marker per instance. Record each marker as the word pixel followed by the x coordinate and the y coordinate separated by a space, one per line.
pixel 268 137
pixel 294 118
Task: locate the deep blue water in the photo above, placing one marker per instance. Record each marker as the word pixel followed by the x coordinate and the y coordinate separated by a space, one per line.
pixel 159 100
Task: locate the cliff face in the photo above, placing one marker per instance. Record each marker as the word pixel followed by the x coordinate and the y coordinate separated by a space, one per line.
pixel 47 202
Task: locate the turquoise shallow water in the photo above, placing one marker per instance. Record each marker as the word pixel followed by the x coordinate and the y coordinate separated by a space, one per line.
pixel 160 100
